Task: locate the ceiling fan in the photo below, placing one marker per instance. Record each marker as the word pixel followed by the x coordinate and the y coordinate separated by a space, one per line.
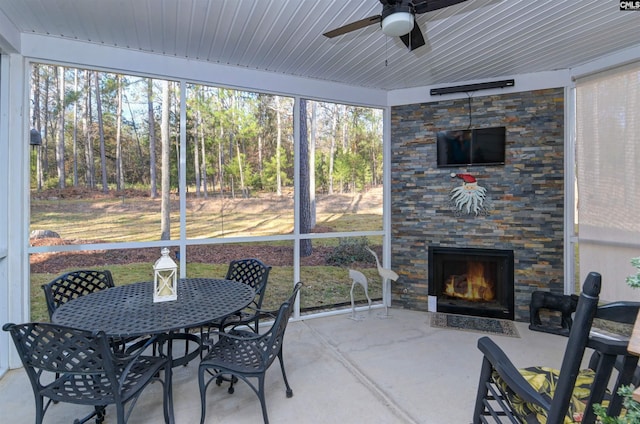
pixel 398 20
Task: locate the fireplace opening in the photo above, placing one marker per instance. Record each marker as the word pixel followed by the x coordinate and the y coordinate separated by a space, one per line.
pixel 472 281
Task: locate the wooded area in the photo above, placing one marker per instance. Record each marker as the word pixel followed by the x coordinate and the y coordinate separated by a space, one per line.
pixel 110 132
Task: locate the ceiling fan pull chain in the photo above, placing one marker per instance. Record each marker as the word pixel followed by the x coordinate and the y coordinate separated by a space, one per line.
pixel 386 51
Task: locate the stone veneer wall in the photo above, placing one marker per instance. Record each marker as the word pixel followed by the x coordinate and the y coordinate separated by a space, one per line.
pixel 525 196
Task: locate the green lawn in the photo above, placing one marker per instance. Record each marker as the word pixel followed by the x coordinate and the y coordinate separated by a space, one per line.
pixel 324 286
pixel 117 219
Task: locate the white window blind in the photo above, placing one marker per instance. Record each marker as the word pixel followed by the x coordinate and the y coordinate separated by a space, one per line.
pixel 608 156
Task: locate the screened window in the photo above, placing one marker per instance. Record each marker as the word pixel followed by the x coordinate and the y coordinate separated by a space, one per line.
pixel 608 174
pixel 126 165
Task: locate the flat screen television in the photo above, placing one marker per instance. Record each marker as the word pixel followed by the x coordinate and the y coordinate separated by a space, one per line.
pixel 472 147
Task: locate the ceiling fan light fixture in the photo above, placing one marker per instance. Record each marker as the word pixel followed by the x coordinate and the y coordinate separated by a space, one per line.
pixel 397 24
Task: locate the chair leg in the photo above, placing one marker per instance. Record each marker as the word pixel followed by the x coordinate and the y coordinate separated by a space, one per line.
pixel 39 409
pixel 485 376
pixel 625 378
pixel 232 379
pixel 100 414
pixel 203 389
pixel 120 413
pixel 263 402
pixel 186 346
pixel 353 306
pixel 599 385
pixel 205 341
pixel 284 375
pixel 168 394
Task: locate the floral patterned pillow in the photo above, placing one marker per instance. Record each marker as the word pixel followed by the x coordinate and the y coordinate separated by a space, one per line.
pixel 545 380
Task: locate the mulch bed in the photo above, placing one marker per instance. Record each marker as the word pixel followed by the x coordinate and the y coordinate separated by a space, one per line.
pixel 219 254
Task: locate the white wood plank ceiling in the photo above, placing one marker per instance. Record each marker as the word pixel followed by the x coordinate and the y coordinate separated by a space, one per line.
pixel 476 39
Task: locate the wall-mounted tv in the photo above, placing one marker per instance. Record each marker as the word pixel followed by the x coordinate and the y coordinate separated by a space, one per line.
pixel 480 146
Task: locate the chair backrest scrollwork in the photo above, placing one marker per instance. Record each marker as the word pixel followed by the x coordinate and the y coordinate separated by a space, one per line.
pixel 75 284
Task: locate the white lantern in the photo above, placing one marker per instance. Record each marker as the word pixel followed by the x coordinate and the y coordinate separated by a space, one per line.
pixel 165 278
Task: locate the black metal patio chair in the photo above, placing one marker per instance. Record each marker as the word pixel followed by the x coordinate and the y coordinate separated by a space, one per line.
pixel 75 366
pixel 77 283
pixel 546 395
pixel 247 355
pixel 74 284
pixel 254 273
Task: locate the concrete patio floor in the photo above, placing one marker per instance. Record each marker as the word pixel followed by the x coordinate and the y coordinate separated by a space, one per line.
pixel 373 370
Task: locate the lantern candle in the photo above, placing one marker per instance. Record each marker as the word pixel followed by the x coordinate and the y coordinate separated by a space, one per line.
pixel 165 278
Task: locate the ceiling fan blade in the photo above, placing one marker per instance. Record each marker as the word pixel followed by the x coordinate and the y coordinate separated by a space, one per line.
pixel 353 26
pixel 431 5
pixel 414 39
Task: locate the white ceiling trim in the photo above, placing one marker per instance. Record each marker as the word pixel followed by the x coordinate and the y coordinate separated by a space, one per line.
pixel 9 35
pixel 620 58
pixel 83 54
pixel 77 53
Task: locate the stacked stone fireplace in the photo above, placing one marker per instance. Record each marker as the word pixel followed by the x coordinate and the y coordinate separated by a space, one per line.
pixel 524 198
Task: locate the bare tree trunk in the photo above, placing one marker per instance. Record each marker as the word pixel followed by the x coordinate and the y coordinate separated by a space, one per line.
pixel 345 124
pixel 165 186
pixel 203 171
pixel 176 112
pixel 119 170
pixel 60 133
pixel 243 188
pixel 35 89
pixel 45 137
pixel 312 165
pixel 234 139
pixel 332 150
pixel 36 122
pixel 221 162
pixel 305 211
pixel 103 155
pixel 152 140
pixel 88 134
pixel 75 130
pixel 261 124
pixel 278 145
pixel 135 129
pixel 260 153
pixel 197 133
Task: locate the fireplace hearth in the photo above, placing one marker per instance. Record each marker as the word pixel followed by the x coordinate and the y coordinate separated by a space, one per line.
pixel 472 281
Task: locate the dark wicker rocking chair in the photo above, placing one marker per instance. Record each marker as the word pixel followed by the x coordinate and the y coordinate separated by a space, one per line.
pixel 541 394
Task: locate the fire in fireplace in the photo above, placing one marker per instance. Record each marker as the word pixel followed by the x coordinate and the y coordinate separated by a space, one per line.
pixel 472 281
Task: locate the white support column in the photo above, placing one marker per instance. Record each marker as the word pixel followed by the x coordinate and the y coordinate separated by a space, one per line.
pixel 14 213
pixel 4 223
pixel 570 238
pixel 386 196
pixel 182 177
pixel 296 200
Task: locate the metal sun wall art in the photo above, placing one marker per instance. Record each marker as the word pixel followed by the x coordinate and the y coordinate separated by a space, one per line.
pixel 468 198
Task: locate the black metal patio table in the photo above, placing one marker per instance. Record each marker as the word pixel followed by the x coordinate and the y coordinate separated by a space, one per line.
pixel 129 311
